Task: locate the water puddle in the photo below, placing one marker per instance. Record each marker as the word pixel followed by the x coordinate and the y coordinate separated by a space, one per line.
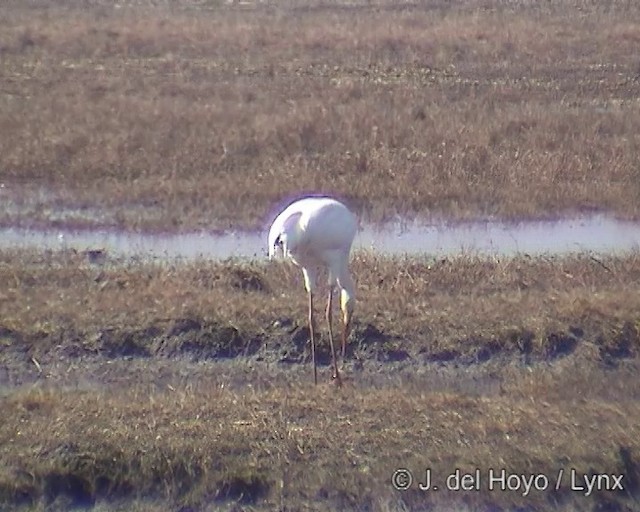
pixel 593 234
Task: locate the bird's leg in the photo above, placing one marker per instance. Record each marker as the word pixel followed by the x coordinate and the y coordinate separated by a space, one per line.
pixel 347 306
pixel 336 374
pixel 312 339
pixel 310 276
pixel 345 334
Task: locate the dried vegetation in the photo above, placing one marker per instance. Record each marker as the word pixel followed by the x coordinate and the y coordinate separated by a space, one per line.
pixel 147 387
pixel 193 114
pixel 184 383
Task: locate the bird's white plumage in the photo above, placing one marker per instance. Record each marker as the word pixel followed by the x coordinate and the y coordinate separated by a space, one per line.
pixel 315 233
pixel 322 220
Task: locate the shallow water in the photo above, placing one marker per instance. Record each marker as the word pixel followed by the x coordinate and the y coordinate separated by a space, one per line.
pixel 593 234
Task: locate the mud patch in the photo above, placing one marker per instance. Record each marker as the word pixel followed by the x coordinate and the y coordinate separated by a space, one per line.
pixel 193 338
pixel 623 344
pixel 113 343
pixel 66 489
pixel 285 342
pixel 243 489
pixel 442 356
pixel 559 345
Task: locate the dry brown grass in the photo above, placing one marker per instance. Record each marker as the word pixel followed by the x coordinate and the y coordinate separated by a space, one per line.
pixel 297 447
pixel 201 115
pixel 196 114
pixel 427 303
pixel 119 431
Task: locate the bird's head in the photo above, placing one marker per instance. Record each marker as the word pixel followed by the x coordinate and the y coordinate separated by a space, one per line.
pixel 283 234
pixel 277 244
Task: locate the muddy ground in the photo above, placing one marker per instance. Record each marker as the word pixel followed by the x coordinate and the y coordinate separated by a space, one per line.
pixel 192 360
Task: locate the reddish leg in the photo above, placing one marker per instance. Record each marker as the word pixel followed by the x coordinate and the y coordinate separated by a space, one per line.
pixel 336 374
pixel 312 339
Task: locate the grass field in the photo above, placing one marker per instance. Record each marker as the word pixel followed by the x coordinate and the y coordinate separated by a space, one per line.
pixel 150 386
pixel 197 114
pixel 186 386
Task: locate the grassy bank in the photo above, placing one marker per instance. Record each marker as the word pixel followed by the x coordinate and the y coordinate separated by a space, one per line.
pixel 201 114
pixel 146 384
pixel 448 306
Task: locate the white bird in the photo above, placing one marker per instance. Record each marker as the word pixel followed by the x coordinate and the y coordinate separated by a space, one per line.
pixel 317 232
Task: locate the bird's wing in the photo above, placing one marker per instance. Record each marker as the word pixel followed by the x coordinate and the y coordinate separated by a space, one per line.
pixel 291 221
